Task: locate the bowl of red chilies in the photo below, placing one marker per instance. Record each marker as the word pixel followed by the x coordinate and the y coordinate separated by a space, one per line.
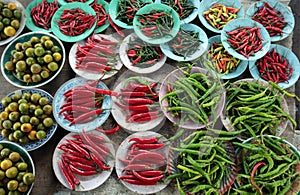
pixel 136 108
pixel 141 162
pixel 279 65
pixel 245 39
pixel 39 14
pixel 276 17
pixel 82 104
pixel 63 2
pixel 73 22
pixel 83 161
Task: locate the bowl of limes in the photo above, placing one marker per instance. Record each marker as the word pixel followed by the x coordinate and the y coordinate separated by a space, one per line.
pixel 13 19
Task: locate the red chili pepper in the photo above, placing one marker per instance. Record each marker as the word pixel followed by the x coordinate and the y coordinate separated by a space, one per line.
pixel 137 116
pixel 137 101
pixel 93 146
pixel 149 140
pixel 126 162
pixel 137 167
pixel 78 159
pixel 70 151
pixel 66 175
pixel 100 163
pixel 78 148
pixel 136 60
pixel 122 177
pixel 136 94
pixel 115 27
pixel 143 108
pixel 74 108
pixel 109 131
pixel 144 119
pixel 82 172
pixel 150 157
pixel 86 116
pixel 101 91
pixel 139 182
pixel 70 173
pixel 147 179
pixel 150 146
pixel 252 176
pixel 151 173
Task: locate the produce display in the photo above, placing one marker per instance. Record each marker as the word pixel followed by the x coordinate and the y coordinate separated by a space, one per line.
pixel 219 15
pixel 97 55
pixel 274 67
pixel 74 22
pixel 42 13
pixel 16 174
pixel 219 137
pixel 34 60
pixel 11 17
pixel 26 117
pixel 268 166
pixel 272 19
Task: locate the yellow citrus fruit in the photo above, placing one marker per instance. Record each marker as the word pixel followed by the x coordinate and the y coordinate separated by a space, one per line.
pixel 9 31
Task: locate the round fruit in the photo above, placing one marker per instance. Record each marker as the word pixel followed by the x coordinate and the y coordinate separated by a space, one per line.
pixel 11 172
pixel 6 164
pixel 41 134
pixel 28 178
pixel 14 156
pixel 9 31
pixel 12 185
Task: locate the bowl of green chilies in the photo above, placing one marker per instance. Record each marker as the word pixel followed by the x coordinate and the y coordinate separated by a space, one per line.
pixel 191 98
pixel 202 162
pixel 254 108
pixel 269 165
pixel 156 23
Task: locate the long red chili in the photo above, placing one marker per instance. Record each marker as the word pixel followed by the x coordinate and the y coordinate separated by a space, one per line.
pixel 139 140
pixel 99 162
pixel 151 173
pixel 82 172
pixel 150 146
pixel 69 171
pixel 79 148
pixel 139 182
pixel 252 177
pixel 101 91
pixel 137 101
pixel 140 116
pixel 92 144
pixel 143 108
pixel 137 167
pixel 78 159
pixel 109 131
pixel 70 151
pixel 66 175
pixel 81 118
pixel 147 179
pixel 114 26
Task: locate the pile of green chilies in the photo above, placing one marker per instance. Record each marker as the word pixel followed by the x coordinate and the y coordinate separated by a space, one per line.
pixel 185 43
pixel 127 10
pixel 156 24
pixel 255 108
pixel 184 8
pixel 269 166
pixel 203 163
pixel 194 97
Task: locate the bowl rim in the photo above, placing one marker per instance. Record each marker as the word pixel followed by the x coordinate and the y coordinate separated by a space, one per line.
pixel 63 2
pixel 22 22
pixel 11 44
pixel 296 67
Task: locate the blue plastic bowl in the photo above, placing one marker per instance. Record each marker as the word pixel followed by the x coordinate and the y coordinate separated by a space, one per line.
pixel 242 66
pixel 287 14
pixel 113 12
pixel 207 4
pixel 192 16
pixel 55 28
pixel 165 48
pixel 159 8
pixel 245 22
pixel 292 60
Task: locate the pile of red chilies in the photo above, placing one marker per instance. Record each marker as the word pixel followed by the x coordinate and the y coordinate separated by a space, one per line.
pixel 74 22
pixel 84 155
pixel 140 101
pixel 273 67
pixel 83 103
pixel 96 55
pixel 271 19
pixel 144 163
pixel 42 13
pixel 245 40
pixel 100 13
